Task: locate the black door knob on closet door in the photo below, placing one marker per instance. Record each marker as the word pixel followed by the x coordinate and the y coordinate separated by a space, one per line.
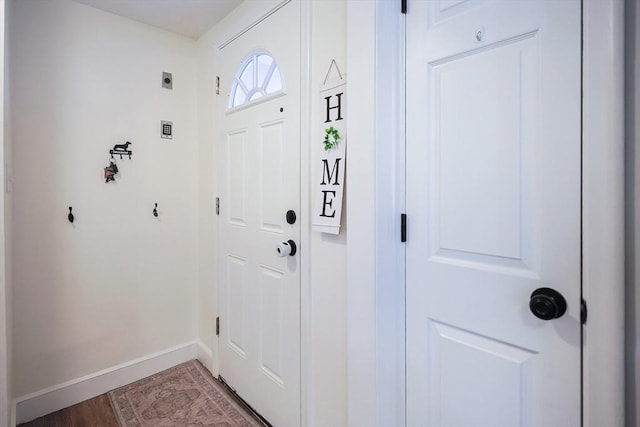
pixel 547 304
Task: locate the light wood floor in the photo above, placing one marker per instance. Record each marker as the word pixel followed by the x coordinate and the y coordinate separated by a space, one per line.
pixel 94 412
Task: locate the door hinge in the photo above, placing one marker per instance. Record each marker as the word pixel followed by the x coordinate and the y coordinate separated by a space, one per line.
pixel 403 6
pixel 217 205
pixel 403 228
pixel 583 311
pixel 217 326
pixel 217 85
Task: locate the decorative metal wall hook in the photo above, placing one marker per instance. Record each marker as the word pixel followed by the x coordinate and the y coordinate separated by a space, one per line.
pixel 122 150
pixel 155 211
pixel 70 217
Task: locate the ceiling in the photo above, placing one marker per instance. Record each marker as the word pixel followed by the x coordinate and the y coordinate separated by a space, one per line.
pixel 191 18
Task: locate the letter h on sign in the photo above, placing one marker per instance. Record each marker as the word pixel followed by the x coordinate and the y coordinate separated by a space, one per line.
pixel 338 107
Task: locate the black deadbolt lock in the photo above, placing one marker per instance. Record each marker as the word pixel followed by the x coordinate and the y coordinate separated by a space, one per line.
pixel 291 217
pixel 547 304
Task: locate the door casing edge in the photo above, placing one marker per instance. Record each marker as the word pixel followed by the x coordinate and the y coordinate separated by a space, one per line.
pixel 603 212
pixel 306 344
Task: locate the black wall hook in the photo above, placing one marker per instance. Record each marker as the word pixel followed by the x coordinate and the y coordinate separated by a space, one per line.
pixel 70 217
pixel 122 150
pixel 155 211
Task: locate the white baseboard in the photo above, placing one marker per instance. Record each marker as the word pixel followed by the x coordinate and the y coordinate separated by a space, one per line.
pixel 61 396
pixel 205 356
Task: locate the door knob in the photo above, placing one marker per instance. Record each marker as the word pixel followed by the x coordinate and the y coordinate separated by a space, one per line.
pixel 287 248
pixel 547 304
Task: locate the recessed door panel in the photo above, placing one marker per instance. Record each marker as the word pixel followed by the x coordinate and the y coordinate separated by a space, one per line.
pixel 236 177
pixel 448 4
pixel 481 126
pixel 441 10
pixel 272 176
pixel 477 381
pixel 271 324
pixel 237 287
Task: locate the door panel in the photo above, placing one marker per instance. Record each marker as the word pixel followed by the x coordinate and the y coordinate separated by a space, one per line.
pixel 259 292
pixel 467 369
pixel 493 199
pixel 481 165
pixel 479 169
pixel 271 322
pixel 236 269
pixel 272 177
pixel 236 177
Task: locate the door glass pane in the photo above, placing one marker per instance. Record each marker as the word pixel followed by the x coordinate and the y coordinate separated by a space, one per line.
pixel 247 75
pixel 238 97
pixel 258 76
pixel 264 64
pixel 275 83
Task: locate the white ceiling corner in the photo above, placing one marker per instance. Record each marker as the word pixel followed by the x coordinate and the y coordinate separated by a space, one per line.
pixel 191 18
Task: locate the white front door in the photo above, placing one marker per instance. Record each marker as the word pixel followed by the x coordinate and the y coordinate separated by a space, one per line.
pixel 493 204
pixel 259 150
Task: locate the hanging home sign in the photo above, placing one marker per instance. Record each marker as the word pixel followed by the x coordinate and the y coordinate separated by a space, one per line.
pixel 329 171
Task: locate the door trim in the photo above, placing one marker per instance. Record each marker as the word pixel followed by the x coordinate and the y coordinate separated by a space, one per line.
pixel 306 365
pixel 603 212
pixel 375 200
pixel 238 32
pixel 6 406
pixel 375 257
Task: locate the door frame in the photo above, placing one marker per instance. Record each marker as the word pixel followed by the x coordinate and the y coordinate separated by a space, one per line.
pixel 6 405
pixel 7 408
pixel 375 256
pixel 246 16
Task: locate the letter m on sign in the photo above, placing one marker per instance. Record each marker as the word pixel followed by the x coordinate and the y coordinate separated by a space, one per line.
pixel 329 175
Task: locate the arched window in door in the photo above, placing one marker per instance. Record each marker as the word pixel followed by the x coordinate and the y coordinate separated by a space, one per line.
pixel 258 76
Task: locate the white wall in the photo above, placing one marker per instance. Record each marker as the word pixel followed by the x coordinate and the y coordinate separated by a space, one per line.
pixel 118 284
pixel 324 370
pixel 632 39
pixel 328 269
pixel 361 179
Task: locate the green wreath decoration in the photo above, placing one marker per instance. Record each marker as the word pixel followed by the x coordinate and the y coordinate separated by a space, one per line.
pixel 331 138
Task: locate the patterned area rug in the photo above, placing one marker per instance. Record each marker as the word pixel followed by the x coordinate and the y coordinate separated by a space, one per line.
pixel 185 395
